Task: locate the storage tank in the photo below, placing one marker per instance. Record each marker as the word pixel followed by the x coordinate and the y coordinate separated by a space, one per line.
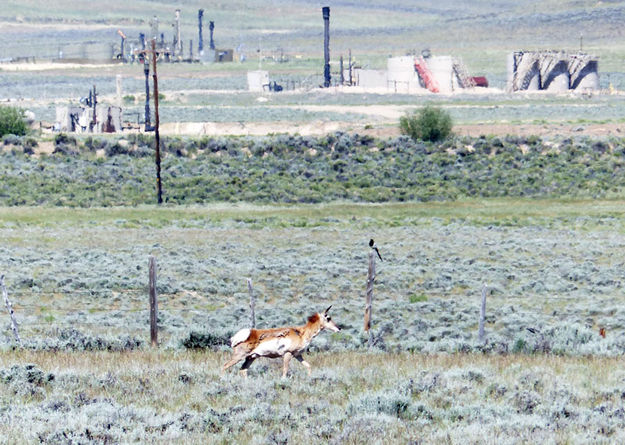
pixel 402 77
pixel 256 80
pixel 442 69
pixel 511 66
pixel 526 71
pixel 532 79
pixel 588 77
pixel 558 79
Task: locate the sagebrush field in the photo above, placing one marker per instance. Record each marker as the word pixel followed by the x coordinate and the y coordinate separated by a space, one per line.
pixel 78 282
pixel 527 198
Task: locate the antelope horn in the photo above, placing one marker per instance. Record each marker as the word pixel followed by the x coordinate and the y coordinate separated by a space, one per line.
pixel 326 311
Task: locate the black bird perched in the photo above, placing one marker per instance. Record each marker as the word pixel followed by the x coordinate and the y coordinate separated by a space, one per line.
pixel 374 247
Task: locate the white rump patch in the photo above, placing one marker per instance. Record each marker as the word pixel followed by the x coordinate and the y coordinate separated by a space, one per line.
pixel 273 348
pixel 240 337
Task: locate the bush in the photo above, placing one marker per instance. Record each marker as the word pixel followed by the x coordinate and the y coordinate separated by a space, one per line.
pixel 12 121
pixel 64 139
pixel 202 340
pixel 428 124
pixel 11 139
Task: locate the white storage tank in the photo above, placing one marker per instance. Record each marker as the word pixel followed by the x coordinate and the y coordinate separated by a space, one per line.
pixel 402 77
pixel 588 78
pixel 257 80
pixel 532 79
pixel 442 69
pixel 558 79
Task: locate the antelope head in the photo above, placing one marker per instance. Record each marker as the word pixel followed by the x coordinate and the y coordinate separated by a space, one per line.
pixel 326 321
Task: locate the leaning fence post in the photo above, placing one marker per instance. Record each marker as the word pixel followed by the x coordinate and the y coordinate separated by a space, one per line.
pixel 480 332
pixel 252 303
pixel 10 309
pixel 153 303
pixel 369 295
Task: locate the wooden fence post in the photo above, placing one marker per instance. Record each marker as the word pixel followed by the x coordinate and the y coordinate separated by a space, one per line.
pixel 480 332
pixel 252 303
pixel 153 303
pixel 10 309
pixel 369 295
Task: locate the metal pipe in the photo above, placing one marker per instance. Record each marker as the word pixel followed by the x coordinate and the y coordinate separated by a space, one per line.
pixel 341 68
pixel 351 80
pixel 211 27
pixel 200 14
pixel 178 41
pixel 154 28
pixel 94 121
pixel 146 71
pixel 326 46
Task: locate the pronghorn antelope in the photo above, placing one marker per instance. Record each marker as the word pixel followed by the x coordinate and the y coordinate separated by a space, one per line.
pixel 249 344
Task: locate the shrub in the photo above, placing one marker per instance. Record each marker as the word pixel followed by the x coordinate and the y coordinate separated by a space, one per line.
pixel 201 340
pixel 12 121
pixel 94 144
pixel 428 124
pixel 64 139
pixel 414 298
pixel 11 139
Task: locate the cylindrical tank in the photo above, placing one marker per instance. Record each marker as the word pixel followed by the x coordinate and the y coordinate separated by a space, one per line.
pixel 400 69
pixel 402 77
pixel 558 79
pixel 442 68
pixel 511 65
pixel 588 78
pixel 532 79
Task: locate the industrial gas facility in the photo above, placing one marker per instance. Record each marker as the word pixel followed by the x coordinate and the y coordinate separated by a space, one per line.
pixel 420 72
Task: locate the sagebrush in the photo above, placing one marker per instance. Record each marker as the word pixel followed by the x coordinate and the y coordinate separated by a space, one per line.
pixel 427 124
pixel 12 121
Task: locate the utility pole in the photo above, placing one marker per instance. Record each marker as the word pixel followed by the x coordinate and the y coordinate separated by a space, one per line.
pixel 159 190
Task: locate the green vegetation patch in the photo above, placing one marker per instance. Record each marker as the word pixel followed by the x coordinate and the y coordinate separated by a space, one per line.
pixel 291 169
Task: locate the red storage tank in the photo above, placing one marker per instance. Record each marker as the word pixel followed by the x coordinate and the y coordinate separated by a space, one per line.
pixel 480 81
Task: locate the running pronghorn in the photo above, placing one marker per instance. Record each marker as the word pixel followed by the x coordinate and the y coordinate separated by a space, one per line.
pixel 249 344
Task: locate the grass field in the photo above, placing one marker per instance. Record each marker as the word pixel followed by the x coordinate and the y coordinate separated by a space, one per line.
pixel 539 220
pixel 351 397
pixel 77 279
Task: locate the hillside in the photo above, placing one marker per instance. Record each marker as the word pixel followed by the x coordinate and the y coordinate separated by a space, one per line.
pixel 480 32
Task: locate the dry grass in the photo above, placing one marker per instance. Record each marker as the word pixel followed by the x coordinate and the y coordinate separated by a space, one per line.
pixel 163 396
